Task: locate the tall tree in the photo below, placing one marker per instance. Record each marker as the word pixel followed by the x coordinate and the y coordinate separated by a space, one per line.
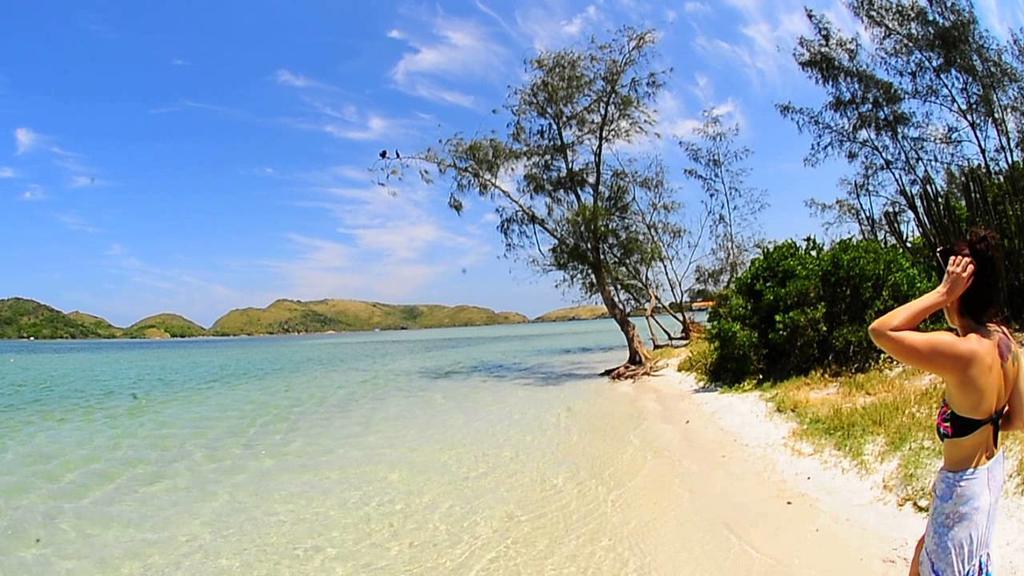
pixel 564 190
pixel 717 164
pixel 929 110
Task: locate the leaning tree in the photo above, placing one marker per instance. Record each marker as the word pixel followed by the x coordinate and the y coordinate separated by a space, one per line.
pixel 560 178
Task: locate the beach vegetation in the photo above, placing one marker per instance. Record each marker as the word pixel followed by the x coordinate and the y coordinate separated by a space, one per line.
pixel 927 106
pixel 802 306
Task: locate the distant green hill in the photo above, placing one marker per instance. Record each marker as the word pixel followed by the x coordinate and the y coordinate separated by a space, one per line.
pixel 24 318
pixel 164 326
pixel 102 328
pixel 589 312
pixel 297 317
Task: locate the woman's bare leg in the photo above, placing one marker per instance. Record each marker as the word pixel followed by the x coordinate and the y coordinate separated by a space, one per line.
pixel 915 564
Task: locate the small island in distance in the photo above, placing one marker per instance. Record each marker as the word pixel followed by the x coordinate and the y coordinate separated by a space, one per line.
pixel 22 318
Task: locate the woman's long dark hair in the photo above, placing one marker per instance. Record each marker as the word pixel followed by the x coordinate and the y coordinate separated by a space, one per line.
pixel 982 301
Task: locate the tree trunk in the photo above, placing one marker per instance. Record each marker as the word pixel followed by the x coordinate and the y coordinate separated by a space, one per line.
pixel 637 364
pixel 648 315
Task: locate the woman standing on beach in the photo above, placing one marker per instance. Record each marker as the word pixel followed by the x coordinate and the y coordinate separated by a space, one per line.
pixel 981 366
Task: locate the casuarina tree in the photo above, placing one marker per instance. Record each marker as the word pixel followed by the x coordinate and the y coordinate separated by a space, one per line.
pixel 561 175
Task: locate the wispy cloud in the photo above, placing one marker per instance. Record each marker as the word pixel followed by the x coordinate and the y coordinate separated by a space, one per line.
pixel 76 223
pixel 33 193
pixel 146 288
pixel 187 104
pixel 96 24
pixel 83 181
pixel 373 128
pixel 28 141
pixel 547 30
pixel 341 120
pixel 696 8
pixel 1001 18
pixel 767 32
pixel 25 140
pixel 180 62
pixel 6 172
pixel 385 247
pixel 459 51
pixel 286 77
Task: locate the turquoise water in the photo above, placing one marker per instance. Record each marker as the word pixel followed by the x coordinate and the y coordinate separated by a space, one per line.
pixel 450 451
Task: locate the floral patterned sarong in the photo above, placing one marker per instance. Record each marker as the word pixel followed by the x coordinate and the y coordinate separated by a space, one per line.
pixel 963 513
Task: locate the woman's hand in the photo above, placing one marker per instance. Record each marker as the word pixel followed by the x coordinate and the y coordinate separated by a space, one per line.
pixel 959 275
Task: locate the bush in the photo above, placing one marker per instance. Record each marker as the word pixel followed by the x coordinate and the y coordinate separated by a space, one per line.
pixel 801 307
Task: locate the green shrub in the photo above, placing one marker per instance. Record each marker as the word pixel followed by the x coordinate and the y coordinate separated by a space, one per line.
pixel 801 307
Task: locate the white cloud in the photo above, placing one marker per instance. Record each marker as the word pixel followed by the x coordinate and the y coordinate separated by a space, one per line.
pixel 180 62
pixel 460 52
pixel 26 140
pixel 6 172
pixel 387 247
pixel 33 193
pixel 76 223
pixel 767 33
pixel 148 289
pixel 580 22
pixel 288 78
pixel 548 31
pixel 369 129
pixel 85 181
pixel 696 8
pixel 374 129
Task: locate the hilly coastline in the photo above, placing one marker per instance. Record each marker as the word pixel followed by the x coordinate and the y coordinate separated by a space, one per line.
pixel 24 318
pixel 297 317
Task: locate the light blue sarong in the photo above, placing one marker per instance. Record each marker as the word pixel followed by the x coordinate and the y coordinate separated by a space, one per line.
pixel 963 513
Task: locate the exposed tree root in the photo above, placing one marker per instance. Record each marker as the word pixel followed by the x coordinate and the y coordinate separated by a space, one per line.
pixel 632 371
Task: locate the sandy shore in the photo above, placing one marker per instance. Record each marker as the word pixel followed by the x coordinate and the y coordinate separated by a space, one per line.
pixel 759 502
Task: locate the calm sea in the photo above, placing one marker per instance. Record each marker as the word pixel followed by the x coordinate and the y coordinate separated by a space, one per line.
pixel 489 450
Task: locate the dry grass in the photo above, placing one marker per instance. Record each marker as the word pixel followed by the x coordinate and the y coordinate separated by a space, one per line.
pixel 881 417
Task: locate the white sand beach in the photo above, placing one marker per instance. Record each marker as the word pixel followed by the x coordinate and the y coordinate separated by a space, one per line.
pixel 759 502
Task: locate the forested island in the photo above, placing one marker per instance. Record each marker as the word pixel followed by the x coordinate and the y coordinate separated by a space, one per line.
pixel 25 318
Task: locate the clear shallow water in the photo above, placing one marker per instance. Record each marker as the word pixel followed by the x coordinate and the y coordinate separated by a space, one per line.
pixel 457 451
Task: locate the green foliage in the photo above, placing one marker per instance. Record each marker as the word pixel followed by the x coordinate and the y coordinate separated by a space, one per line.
pixel 801 307
pixel 295 317
pixel 164 326
pixel 699 355
pixel 23 318
pixel 929 112
pixel 101 327
pixel 573 313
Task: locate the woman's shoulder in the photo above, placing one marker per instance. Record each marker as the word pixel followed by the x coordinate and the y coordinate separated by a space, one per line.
pixel 981 346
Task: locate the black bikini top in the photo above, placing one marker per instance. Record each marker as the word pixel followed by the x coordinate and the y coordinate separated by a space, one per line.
pixel 949 424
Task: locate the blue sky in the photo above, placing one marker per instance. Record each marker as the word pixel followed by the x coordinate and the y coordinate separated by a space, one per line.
pixel 200 156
